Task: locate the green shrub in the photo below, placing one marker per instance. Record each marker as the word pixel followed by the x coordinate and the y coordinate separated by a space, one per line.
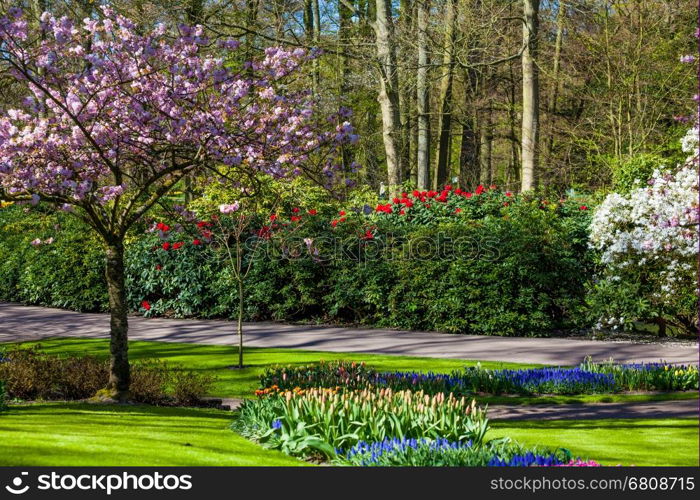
pixel 2 396
pixel 506 265
pixel 30 374
pixel 321 420
pixel 634 172
pixel 67 273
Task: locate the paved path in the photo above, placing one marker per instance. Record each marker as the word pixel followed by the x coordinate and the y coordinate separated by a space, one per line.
pixel 19 322
pixel 660 409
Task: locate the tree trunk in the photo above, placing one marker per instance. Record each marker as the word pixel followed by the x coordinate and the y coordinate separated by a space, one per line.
pixel 317 42
pixel 552 98
pixel 239 326
pixel 423 99
pixel 530 120
pixel 345 17
pixel 389 92
pixel 445 124
pixel 485 147
pixel 119 374
pixel 468 155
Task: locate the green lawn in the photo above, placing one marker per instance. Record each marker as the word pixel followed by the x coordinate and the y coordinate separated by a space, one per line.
pixel 75 434
pixel 670 442
pixel 242 383
pixel 80 435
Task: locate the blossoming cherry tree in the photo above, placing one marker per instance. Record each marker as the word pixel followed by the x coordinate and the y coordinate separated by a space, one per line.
pixel 115 116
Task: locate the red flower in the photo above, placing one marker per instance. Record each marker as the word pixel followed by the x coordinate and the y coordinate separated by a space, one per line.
pixel 492 186
pixel 342 219
pixel 431 194
pixel 163 227
pixel 468 194
pixel 313 211
pixel 396 201
pixel 368 235
pixel 583 207
pixel 178 245
pixel 295 210
pixel 505 203
pixel 404 195
pixel 402 212
pixel 159 267
pixel 202 224
pixel 146 305
pixel 384 208
pixel 341 213
pixel 334 223
pixel 196 242
pixel 273 217
pixel 295 218
pixel 207 234
pixel 509 194
pixel 416 193
pixel 166 246
pixel 458 210
pixel 448 188
pixel 480 189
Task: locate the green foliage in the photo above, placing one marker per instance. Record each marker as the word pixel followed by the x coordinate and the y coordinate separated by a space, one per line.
pixel 323 420
pixel 514 269
pixel 2 396
pixel 635 171
pixel 31 374
pixel 68 273
pixel 648 377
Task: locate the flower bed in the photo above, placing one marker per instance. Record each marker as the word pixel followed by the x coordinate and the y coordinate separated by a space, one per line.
pixel 320 420
pixel 588 378
pixel 382 427
pixel 445 453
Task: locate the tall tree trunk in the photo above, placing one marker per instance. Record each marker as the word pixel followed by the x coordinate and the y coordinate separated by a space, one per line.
pixel 468 154
pixel 345 16
pixel 119 374
pixel 485 146
pixel 389 92
pixel 531 91
pixel 423 98
pixel 513 174
pixel 445 123
pixel 316 11
pixel 406 96
pixel 193 15
pixel 554 93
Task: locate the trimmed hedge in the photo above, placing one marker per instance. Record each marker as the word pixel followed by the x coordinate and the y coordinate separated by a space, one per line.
pixel 68 273
pixel 521 272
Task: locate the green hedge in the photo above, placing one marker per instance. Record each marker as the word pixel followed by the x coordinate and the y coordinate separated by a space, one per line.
pixel 67 273
pixel 519 273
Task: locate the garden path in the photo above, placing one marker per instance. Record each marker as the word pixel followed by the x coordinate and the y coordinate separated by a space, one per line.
pixel 20 323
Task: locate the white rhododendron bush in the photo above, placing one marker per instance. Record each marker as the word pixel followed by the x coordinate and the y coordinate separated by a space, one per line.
pixel 648 244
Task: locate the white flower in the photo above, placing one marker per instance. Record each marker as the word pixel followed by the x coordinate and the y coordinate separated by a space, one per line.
pixel 229 209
